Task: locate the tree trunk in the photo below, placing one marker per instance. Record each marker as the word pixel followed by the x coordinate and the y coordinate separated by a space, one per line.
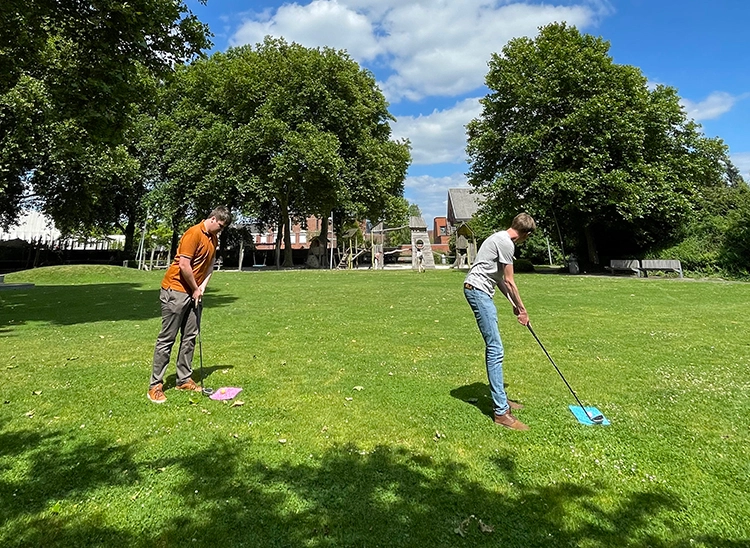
pixel 129 236
pixel 277 249
pixel 288 258
pixel 175 237
pixel 324 241
pixel 222 248
pixel 284 231
pixel 591 245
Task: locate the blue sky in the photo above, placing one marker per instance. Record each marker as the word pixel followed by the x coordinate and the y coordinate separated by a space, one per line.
pixel 430 58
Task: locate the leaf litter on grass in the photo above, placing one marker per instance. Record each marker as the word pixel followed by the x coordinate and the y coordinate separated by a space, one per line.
pixel 462 529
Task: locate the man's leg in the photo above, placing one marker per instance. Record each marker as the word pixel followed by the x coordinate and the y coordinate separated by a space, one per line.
pixel 486 314
pixel 171 320
pixel 190 326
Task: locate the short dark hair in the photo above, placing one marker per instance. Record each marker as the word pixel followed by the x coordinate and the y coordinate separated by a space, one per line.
pixel 222 214
pixel 523 223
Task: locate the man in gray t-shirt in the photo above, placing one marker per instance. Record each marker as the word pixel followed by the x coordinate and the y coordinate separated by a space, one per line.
pixel 493 267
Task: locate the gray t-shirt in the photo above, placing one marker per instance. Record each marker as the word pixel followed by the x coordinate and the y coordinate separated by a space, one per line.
pixel 487 270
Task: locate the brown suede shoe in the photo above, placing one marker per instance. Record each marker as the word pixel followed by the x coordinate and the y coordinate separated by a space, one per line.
pixel 509 421
pixel 514 405
pixel 189 385
pixel 156 394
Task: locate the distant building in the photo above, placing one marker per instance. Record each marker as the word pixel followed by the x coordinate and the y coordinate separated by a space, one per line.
pixel 36 228
pixel 266 239
pixel 440 234
pixel 463 203
pixel 32 226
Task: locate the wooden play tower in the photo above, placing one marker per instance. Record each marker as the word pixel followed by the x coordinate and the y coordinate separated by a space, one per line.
pixel 420 242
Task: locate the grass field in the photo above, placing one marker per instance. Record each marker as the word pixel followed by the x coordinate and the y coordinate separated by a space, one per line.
pixel 365 414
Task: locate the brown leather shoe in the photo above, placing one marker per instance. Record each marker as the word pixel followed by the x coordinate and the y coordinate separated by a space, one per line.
pixel 189 385
pixel 509 421
pixel 514 405
pixel 156 394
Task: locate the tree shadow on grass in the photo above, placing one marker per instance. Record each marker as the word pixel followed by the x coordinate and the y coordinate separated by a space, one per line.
pixel 395 497
pixel 60 470
pixel 75 304
pixel 228 495
pixel 477 394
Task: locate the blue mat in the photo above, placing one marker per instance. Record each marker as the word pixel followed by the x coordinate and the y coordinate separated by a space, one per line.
pixel 583 419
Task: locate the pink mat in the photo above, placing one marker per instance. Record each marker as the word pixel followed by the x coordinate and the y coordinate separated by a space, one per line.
pixel 226 393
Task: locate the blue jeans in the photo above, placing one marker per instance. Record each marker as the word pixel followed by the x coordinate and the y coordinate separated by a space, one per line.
pixel 486 314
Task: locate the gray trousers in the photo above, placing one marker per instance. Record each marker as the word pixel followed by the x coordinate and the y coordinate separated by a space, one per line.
pixel 178 315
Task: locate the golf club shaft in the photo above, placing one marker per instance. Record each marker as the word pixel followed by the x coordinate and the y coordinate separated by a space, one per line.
pixel 557 369
pixel 595 419
pixel 198 305
pixel 200 355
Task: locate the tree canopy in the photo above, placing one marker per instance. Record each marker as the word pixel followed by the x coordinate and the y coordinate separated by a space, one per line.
pixel 282 132
pixel 578 140
pixel 72 75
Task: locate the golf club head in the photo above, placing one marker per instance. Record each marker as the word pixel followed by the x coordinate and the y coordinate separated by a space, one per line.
pixel 209 391
pixel 588 415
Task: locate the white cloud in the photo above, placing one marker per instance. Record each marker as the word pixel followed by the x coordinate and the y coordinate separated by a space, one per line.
pixel 320 23
pixel 711 107
pixel 431 47
pixel 439 137
pixel 443 48
pixel 431 193
pixel 742 161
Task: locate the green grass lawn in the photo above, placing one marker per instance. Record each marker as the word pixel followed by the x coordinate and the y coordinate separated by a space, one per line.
pixel 365 416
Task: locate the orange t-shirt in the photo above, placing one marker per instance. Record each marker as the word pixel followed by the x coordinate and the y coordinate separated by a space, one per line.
pixel 198 245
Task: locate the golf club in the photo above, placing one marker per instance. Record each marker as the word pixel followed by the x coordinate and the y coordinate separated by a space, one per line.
pixel 596 419
pixel 205 391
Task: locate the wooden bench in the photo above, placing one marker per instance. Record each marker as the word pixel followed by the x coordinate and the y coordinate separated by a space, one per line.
pixel 661 264
pixel 625 265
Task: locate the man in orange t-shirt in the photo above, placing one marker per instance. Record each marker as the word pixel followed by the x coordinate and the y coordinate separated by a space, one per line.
pixel 181 292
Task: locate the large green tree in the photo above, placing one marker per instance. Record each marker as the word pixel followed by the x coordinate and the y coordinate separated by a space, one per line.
pixel 281 132
pixel 72 75
pixel 586 144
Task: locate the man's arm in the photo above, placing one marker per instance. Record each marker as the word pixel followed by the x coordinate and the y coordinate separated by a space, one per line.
pixel 510 290
pixel 208 276
pixel 186 269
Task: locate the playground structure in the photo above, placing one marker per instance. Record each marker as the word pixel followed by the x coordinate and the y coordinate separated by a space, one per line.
pixel 422 258
pixel 421 251
pixel 377 248
pixel 351 248
pixel 352 252
pixel 466 247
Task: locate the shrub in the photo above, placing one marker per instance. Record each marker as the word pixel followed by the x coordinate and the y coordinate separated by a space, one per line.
pixel 523 265
pixel 438 257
